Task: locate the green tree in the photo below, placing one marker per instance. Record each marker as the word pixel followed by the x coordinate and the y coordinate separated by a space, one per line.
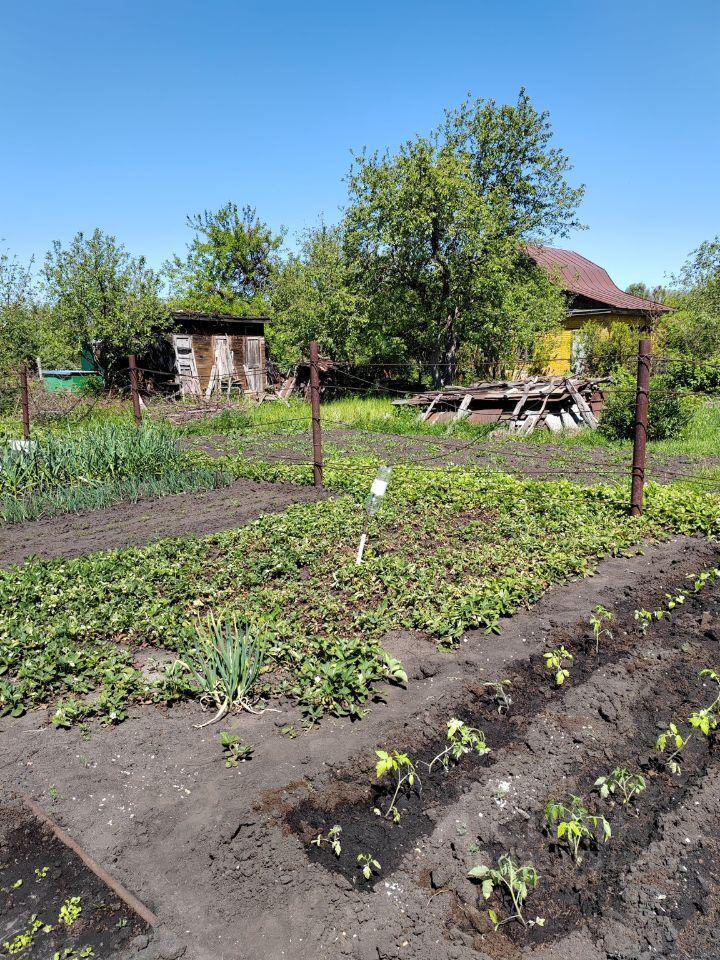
pixel 694 331
pixel 19 312
pixel 435 233
pixel 229 263
pixel 102 299
pixel 313 299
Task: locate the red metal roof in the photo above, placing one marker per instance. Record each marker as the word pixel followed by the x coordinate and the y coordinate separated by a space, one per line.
pixel 581 276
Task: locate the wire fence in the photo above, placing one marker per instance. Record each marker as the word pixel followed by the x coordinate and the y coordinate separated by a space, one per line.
pixel 421 447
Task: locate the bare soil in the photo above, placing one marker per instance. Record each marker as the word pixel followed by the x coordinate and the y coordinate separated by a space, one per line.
pixel 223 856
pixel 136 524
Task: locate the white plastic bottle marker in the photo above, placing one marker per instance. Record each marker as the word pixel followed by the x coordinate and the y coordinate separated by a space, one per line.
pixel 372 504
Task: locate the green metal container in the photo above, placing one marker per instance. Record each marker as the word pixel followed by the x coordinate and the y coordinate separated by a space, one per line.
pixel 73 380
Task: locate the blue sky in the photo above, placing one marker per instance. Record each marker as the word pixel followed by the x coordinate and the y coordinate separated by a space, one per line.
pixel 131 115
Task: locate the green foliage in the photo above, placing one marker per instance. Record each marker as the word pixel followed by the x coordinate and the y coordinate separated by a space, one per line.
pixel 575 826
pixel 510 877
pixel 601 350
pixel 67 626
pixel 368 864
pixel 668 411
pixel 225 659
pixel 313 299
pixel 101 298
pixel 403 768
pixel 234 749
pixel 627 784
pixel 19 313
pixel 70 911
pixel 558 662
pixel 693 333
pixel 332 839
pixel 598 621
pixel 673 738
pixel 434 234
pixel 228 265
pixel 461 740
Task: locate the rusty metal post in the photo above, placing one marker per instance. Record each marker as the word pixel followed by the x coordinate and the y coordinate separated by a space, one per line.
pixel 641 427
pixel 315 405
pixel 25 397
pixel 134 389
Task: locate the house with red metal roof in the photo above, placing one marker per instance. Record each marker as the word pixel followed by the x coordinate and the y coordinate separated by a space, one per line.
pixel 591 297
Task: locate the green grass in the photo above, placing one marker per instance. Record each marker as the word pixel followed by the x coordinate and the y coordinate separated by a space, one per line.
pixel 450 550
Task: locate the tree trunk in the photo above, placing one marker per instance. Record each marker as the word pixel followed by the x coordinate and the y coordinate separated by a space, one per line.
pixel 445 368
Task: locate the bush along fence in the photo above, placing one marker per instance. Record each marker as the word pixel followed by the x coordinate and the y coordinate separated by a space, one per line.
pixel 632 418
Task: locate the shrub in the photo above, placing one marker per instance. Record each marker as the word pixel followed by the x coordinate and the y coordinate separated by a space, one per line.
pixel 669 410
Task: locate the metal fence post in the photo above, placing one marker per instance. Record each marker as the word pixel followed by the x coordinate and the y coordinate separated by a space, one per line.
pixel 134 389
pixel 641 427
pixel 25 397
pixel 315 405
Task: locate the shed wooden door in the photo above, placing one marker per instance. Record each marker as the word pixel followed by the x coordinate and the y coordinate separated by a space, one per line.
pixel 254 363
pixel 185 363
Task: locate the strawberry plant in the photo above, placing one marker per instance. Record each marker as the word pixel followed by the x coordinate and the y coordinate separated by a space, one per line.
pixel 514 880
pixel 575 826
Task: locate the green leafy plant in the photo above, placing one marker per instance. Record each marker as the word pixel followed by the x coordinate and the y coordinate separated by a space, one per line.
pixel 673 738
pixel 620 780
pixel 368 864
pixel 234 749
pixel 511 878
pixel 704 578
pixel 646 617
pixel 703 721
pixel 575 826
pixel 70 911
pixel 225 662
pixel 601 616
pixel 332 838
pixel 558 662
pixel 403 768
pixel 461 740
pixel 41 872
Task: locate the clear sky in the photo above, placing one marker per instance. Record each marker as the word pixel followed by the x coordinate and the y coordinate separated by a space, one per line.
pixel 130 115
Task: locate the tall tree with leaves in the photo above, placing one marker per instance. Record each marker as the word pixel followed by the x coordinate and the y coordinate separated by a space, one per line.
pixel 19 312
pixel 436 233
pixel 694 330
pixel 102 298
pixel 229 263
pixel 313 299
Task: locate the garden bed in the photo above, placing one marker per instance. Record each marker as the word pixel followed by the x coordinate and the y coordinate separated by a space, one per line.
pixel 223 855
pixel 136 524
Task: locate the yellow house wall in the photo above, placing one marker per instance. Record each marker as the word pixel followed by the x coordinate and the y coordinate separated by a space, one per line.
pixel 560 351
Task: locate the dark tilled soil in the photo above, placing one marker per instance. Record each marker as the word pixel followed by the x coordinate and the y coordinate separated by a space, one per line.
pixel 223 855
pixel 546 460
pixel 37 875
pixel 133 525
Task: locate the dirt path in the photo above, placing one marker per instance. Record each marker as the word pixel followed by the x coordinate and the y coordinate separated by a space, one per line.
pixel 135 524
pixel 223 855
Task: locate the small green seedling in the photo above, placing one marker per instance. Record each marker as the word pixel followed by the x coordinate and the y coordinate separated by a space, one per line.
pixel 674 600
pixel 627 784
pixel 70 911
pixel 17 884
pixel 404 769
pixel 707 719
pixel 234 749
pixel 461 740
pixel 516 880
pixel 41 872
pixel 671 737
pixel 576 826
pixel 558 662
pixel 645 617
pixel 500 694
pixel 704 578
pixel 332 838
pixel 53 792
pixel 598 621
pixel 369 865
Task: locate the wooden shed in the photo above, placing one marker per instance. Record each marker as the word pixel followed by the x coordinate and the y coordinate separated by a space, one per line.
pixel 215 352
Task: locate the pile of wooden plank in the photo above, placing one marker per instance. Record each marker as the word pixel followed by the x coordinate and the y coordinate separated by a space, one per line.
pixel 521 406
